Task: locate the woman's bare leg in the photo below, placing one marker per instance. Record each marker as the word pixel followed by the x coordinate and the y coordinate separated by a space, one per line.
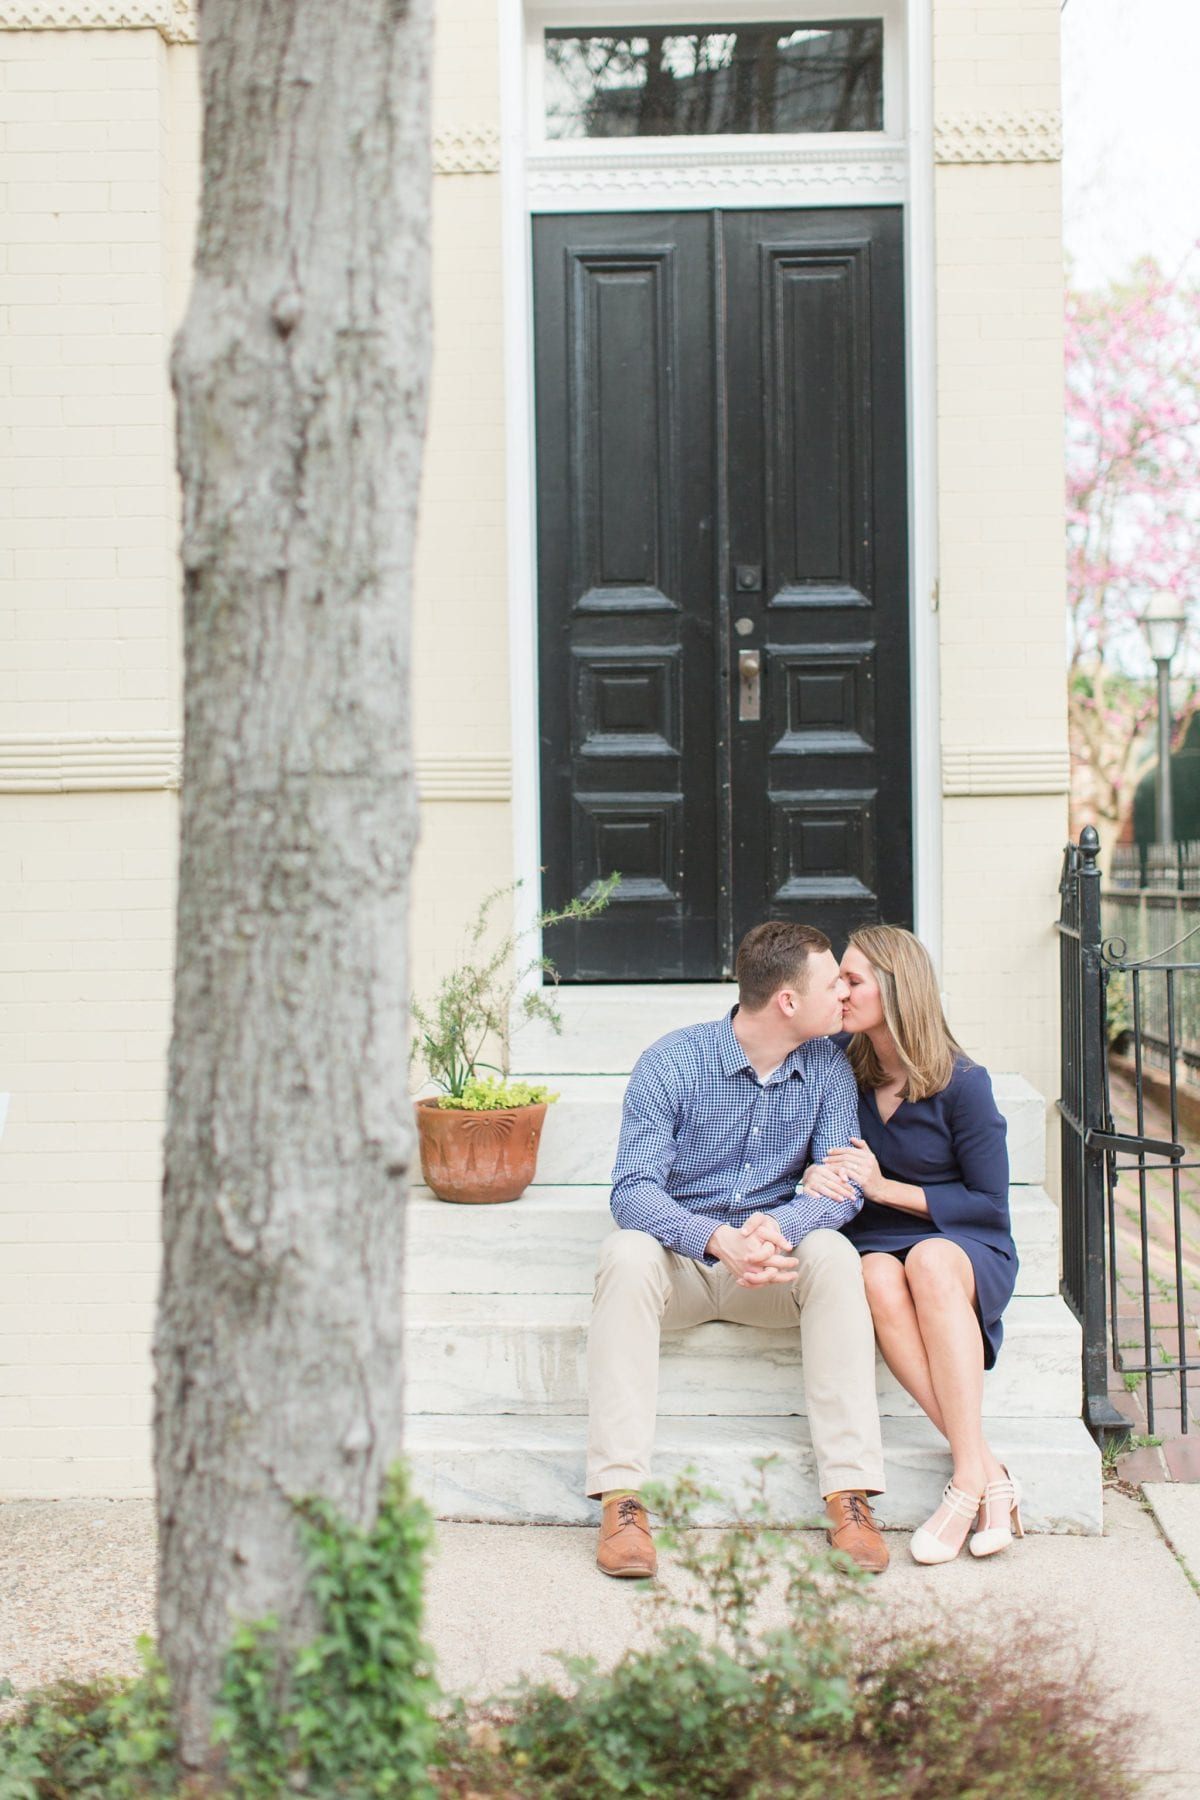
pixel 898 1331
pixel 941 1283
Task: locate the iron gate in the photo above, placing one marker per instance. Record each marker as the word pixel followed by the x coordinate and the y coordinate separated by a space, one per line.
pixel 1125 1264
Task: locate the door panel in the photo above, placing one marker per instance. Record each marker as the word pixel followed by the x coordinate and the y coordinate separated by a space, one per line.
pixel 814 340
pixel 620 325
pixel 816 474
pixel 723 645
pixel 624 359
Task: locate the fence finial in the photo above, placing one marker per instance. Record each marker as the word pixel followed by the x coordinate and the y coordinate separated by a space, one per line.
pixel 1089 844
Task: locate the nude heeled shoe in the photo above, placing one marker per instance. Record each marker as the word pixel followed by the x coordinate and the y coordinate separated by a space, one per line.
pixel 1003 1498
pixel 929 1546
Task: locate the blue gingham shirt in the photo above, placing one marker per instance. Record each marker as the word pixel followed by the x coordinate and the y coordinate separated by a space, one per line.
pixel 705 1143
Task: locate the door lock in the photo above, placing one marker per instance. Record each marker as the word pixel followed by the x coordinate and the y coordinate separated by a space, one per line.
pixel 749 684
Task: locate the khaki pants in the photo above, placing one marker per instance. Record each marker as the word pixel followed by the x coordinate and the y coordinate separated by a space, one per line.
pixel 643 1289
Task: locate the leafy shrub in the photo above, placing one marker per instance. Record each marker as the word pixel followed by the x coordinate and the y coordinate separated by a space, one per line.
pixel 356 1721
pixel 827 1708
pixel 91 1740
pixel 484 1093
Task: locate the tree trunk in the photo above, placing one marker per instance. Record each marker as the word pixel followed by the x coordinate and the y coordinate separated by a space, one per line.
pixel 300 374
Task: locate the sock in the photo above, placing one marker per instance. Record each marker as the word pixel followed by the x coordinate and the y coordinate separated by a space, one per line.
pixel 620 1494
pixel 841 1493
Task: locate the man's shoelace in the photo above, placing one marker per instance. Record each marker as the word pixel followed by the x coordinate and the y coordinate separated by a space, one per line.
pixel 859 1512
pixel 628 1512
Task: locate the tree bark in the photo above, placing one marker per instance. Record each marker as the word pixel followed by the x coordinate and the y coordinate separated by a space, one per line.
pixel 300 374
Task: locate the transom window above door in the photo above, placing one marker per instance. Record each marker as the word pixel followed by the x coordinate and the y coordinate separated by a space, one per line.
pixel 632 79
pixel 736 79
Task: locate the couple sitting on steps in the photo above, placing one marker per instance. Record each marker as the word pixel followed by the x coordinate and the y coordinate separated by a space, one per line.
pixel 766 1176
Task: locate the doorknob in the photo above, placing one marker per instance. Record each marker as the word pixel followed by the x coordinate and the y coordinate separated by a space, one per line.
pixel 749 684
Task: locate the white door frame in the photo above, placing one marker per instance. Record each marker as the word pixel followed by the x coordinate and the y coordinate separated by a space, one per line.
pixel 630 177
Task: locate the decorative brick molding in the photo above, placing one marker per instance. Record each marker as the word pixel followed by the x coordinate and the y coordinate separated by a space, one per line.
pixel 1000 137
pixel 464 778
pixel 175 20
pixel 466 150
pixel 38 762
pixel 556 174
pixel 70 762
pixel 980 769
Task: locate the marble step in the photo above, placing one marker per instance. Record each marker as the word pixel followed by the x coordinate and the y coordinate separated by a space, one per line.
pixel 579 1140
pixel 531 1470
pixel 605 1029
pixel 546 1242
pixel 482 1354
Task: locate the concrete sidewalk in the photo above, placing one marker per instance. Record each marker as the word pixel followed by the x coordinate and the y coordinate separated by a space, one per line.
pixel 500 1596
pixel 76 1588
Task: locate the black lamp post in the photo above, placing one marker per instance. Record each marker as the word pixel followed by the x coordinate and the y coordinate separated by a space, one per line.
pixel 1163 622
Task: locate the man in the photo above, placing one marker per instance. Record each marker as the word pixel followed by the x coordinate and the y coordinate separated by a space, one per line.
pixel 719 1122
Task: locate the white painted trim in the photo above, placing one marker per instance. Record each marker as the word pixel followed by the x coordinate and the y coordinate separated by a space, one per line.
pixel 714 173
pixel 517 287
pixel 911 43
pixel 921 317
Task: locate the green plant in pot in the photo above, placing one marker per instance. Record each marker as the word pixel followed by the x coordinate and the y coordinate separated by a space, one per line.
pixel 479 1137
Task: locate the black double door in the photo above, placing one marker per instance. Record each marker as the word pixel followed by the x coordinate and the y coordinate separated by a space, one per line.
pixel 722 580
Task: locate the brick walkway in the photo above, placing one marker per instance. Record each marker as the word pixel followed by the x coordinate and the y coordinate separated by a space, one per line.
pixel 1153 1404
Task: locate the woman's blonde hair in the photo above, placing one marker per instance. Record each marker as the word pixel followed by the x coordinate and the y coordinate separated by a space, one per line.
pixel 912 1012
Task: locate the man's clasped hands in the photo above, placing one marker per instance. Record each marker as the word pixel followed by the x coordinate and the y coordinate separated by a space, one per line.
pixel 757 1253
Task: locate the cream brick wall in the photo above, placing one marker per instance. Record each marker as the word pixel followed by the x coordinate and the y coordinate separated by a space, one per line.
pixel 461 647
pixel 87 453
pixel 995 55
pixel 1000 498
pixel 86 917
pixel 99 159
pixel 101 149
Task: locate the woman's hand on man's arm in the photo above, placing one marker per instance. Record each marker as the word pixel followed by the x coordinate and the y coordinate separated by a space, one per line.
pixel 856 1161
pixel 853 1163
pixel 823 1179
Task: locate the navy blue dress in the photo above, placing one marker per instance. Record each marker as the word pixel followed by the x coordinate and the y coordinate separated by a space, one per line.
pixel 954 1146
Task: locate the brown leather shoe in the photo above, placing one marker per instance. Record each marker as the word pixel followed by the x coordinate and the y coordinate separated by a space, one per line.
pixel 626 1547
pixel 852 1529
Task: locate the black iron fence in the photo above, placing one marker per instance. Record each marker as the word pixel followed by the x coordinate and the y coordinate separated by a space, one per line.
pixel 1150 906
pixel 1130 1017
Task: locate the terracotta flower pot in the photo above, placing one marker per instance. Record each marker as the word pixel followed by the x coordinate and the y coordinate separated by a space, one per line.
pixel 478 1156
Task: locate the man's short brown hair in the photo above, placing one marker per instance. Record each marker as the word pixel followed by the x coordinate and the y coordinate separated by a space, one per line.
pixel 774 955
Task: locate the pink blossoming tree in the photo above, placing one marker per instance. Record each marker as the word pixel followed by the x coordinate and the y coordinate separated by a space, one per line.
pixel 1133 511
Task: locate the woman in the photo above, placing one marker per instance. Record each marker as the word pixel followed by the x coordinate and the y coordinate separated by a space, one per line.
pixel 939 1261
